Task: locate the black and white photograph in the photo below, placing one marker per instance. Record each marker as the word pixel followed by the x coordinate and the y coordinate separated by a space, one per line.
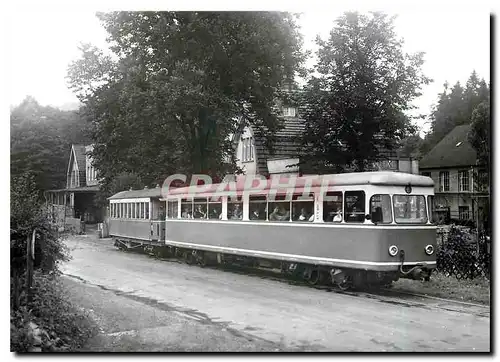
pixel 275 178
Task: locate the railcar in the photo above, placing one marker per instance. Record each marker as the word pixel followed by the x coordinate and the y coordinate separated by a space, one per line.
pixel 349 229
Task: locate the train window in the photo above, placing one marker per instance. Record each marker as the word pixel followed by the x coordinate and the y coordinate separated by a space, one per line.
pixel 200 209
pixel 354 206
pixel 380 209
pixel 279 209
pixel 147 210
pixel 303 207
pixel 235 209
pixel 257 208
pixel 215 208
pixel 432 217
pixel 134 210
pixel 409 209
pixel 141 210
pixel 187 208
pixel 332 206
pixel 172 209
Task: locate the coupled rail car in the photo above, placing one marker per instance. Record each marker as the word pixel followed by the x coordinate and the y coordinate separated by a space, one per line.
pixel 361 228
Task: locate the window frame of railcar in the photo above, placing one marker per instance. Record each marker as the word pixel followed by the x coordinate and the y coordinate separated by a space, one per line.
pixel 185 202
pixel 383 221
pixel 261 200
pixel 279 200
pixel 200 202
pixel 326 200
pixel 214 200
pixel 423 198
pixel 299 198
pixel 173 209
pixel 350 213
pixel 232 200
pixel 430 209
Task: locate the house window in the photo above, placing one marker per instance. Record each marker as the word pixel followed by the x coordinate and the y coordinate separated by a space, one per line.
pixel 444 181
pixel 482 181
pixel 463 212
pixel 463 180
pixel 247 149
pixel 289 111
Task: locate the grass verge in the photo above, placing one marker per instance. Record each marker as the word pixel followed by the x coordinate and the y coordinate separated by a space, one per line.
pixel 50 323
pixel 449 287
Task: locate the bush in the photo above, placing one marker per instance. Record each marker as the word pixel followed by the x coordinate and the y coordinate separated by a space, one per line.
pixel 62 327
pixel 49 323
pixel 27 214
pixel 460 255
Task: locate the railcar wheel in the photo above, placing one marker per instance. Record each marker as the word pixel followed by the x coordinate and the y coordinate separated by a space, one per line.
pixel 345 284
pixel 314 277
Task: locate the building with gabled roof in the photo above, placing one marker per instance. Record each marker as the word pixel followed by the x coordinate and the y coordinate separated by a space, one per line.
pixel 460 182
pixel 76 202
pixel 254 157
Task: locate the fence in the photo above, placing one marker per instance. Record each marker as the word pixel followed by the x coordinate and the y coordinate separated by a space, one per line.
pixel 461 253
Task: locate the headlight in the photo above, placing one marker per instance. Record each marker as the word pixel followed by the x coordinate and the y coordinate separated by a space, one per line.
pixel 393 250
pixel 429 249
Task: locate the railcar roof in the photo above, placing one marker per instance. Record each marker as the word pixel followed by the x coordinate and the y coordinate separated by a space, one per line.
pixel 382 178
pixel 135 194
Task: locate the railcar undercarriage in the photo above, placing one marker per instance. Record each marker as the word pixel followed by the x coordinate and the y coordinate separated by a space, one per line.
pixel 342 278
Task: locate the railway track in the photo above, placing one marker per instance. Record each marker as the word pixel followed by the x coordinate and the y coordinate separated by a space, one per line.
pixel 379 294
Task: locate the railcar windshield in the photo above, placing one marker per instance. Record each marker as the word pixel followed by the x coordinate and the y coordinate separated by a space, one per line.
pixel 409 209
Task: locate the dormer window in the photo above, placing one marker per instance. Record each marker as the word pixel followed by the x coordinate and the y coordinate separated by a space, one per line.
pixel 289 111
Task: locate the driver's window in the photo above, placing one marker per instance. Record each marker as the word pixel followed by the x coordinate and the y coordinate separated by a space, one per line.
pixel 354 206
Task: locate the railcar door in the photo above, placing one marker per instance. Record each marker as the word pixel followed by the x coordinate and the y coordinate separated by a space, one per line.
pixel 157 220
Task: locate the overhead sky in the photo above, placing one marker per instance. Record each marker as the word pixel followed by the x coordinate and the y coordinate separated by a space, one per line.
pixel 455 40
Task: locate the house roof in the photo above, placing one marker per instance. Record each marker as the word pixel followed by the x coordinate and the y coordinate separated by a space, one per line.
pixel 80 156
pixel 454 150
pixel 287 143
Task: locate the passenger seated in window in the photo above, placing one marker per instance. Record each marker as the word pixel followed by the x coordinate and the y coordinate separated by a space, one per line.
pixel 199 213
pixel 338 216
pixel 278 215
pixel 304 215
pixel 236 214
pixel 256 214
pixel 186 214
pixel 214 214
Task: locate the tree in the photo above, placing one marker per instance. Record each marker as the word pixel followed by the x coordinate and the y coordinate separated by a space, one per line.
pixel 480 133
pixel 454 108
pixel 40 142
pixel 181 85
pixel 358 98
